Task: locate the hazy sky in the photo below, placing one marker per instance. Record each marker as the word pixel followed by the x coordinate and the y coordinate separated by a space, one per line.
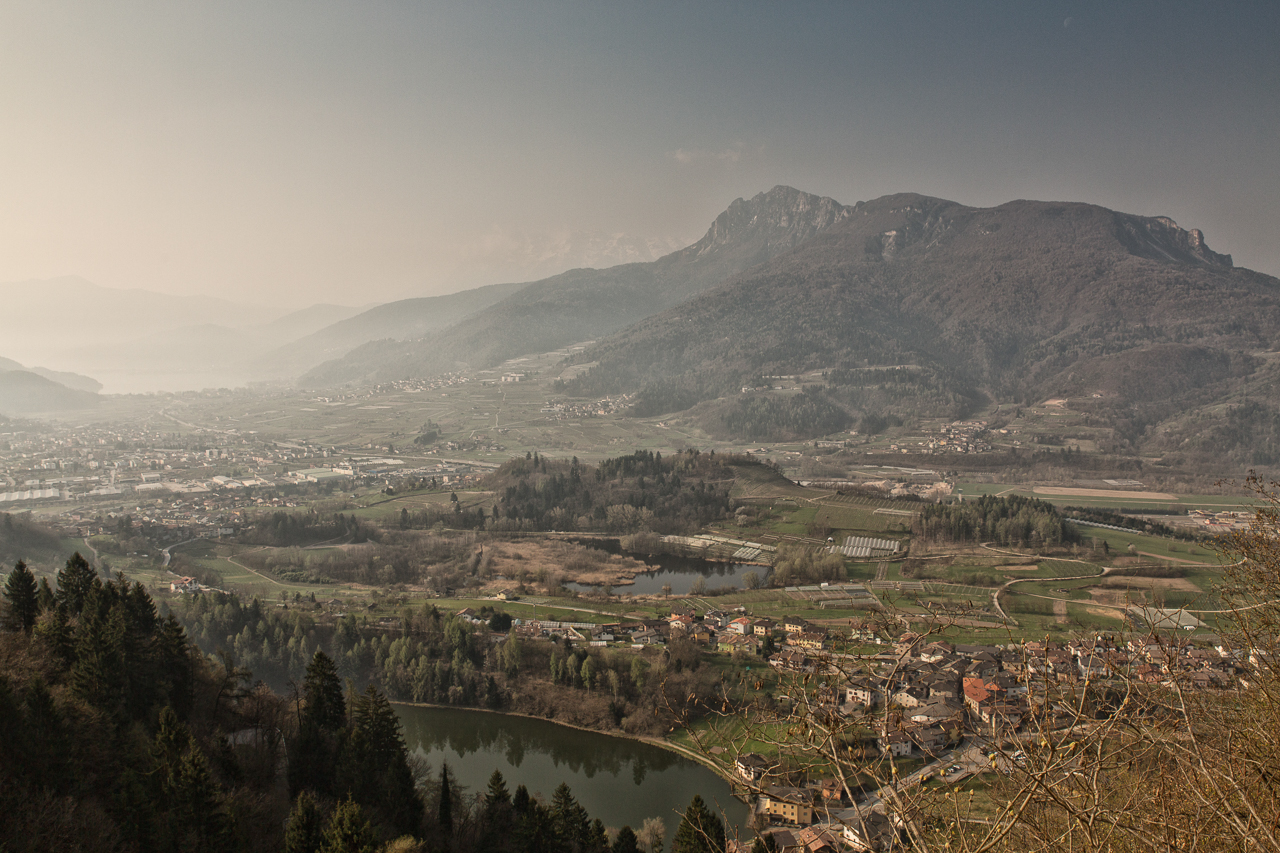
pixel 352 152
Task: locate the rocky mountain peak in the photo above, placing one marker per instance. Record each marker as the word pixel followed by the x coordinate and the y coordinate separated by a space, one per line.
pixel 780 218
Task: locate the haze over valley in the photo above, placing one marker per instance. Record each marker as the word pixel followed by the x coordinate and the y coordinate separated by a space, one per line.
pixel 731 427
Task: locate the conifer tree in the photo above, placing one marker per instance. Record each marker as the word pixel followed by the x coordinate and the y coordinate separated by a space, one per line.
pixel 348 831
pixel 521 801
pixel 305 832
pixel 99 673
pixel 700 831
pixel 377 764
pixel 626 841
pixel 44 739
pixel 75 583
pixel 193 818
pixel 598 837
pixel 496 795
pixel 444 811
pixel 45 597
pixel 497 816
pixel 569 818
pixel 21 591
pixel 322 694
pixel 314 753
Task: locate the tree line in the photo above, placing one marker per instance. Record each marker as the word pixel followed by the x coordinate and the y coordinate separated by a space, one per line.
pixel 1009 521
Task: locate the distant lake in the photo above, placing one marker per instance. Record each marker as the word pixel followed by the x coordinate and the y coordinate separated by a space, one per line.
pixel 680 572
pixel 618 780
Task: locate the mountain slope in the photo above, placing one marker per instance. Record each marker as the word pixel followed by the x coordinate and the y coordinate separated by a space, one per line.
pixel 401 320
pixel 1018 301
pixel 587 303
pixel 72 380
pixel 24 392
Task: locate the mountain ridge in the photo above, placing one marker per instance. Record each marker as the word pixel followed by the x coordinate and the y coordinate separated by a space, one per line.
pixel 585 303
pixel 1013 302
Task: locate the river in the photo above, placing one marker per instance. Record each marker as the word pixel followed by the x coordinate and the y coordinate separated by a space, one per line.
pixel 618 780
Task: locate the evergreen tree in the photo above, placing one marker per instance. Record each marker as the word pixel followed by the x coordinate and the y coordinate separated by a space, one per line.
pixel 569 819
pixel 496 795
pixel 176 665
pixel 497 816
pixel 75 583
pixel 348 831
pixel 305 832
pixel 45 597
pixel 375 764
pixel 626 841
pixel 22 592
pixel 536 832
pixel 598 837
pixel 100 671
pixel 43 739
pixel 322 694
pixel 701 831
pixel 444 810
pixel 521 801
pixel 314 753
pixel 192 818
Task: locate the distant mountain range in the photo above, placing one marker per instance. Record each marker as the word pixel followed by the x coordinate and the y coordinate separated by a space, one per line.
pixel 139 340
pixel 35 390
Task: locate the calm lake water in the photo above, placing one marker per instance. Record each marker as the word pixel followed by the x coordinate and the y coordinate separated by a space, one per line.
pixel 681 573
pixel 620 781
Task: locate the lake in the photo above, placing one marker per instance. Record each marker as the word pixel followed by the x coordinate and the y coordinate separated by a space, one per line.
pixel 618 780
pixel 681 573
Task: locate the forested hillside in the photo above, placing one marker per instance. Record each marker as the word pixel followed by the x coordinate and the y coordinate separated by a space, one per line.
pixel 121 735
pixel 915 304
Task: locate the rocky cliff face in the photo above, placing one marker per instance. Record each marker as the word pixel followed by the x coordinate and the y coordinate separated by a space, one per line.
pixel 779 219
pixel 1159 237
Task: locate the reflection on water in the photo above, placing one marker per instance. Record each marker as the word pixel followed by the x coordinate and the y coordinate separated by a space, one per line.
pixel 681 573
pixel 620 781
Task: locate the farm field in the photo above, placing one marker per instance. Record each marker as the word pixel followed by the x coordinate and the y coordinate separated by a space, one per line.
pixel 1106 499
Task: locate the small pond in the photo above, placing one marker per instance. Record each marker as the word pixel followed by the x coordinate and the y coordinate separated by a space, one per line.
pixel 680 572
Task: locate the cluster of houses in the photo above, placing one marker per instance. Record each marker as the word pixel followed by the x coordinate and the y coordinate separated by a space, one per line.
pixel 960 437
pixel 929 693
pixel 796 809
pixel 1150 660
pixel 796 639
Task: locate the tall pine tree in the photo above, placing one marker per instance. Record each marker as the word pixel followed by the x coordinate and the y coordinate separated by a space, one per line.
pixel 21 590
